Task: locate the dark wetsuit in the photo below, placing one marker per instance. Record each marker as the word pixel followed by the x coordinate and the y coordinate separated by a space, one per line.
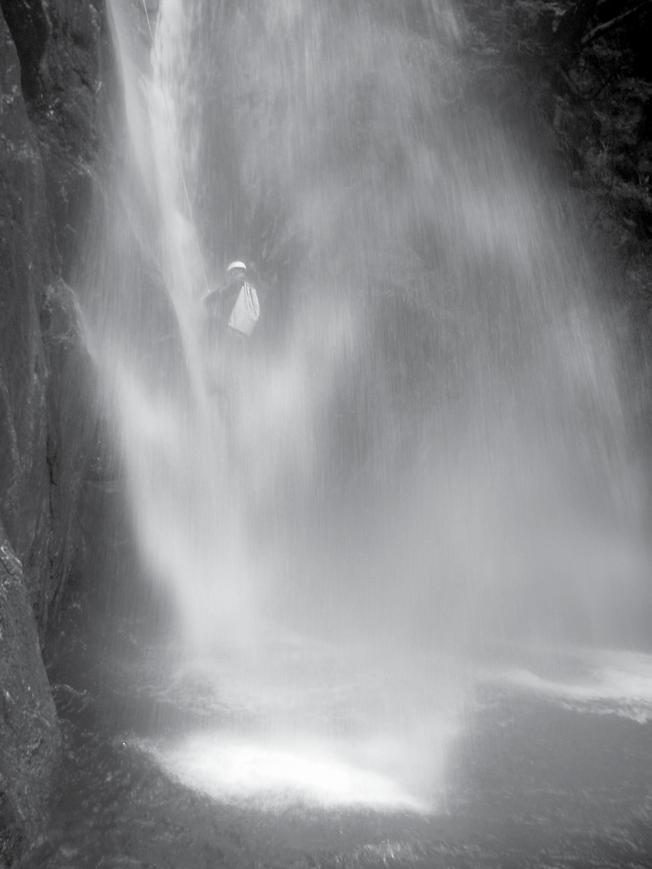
pixel 221 301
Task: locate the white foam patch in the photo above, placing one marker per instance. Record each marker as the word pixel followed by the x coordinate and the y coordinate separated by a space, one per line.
pixel 616 683
pixel 274 774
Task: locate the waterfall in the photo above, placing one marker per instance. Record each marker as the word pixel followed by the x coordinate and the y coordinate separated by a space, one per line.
pixel 422 450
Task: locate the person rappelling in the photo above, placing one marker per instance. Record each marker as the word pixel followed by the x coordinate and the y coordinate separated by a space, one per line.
pixel 234 305
pixel 231 312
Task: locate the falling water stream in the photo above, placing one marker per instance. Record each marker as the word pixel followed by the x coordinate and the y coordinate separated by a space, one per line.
pixel 416 477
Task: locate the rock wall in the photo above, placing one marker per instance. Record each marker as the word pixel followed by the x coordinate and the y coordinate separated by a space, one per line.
pixel 51 61
pixel 29 735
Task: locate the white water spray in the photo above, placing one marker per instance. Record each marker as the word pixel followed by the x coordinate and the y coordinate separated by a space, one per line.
pixel 425 452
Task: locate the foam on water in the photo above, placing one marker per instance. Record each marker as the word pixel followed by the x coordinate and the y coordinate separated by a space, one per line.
pixel 309 724
pixel 605 683
pixel 273 774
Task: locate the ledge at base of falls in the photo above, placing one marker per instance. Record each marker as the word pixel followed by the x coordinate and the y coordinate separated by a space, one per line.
pixel 51 58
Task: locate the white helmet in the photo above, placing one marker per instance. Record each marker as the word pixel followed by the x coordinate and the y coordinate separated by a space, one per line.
pixel 236 265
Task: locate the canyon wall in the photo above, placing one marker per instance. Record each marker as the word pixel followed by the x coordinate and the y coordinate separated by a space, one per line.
pixel 51 59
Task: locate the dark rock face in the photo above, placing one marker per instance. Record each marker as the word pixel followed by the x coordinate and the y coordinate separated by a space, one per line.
pixel 25 268
pixel 29 736
pixel 29 26
pixel 50 69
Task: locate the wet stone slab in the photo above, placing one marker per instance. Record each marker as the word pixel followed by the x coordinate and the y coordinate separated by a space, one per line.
pixel 531 785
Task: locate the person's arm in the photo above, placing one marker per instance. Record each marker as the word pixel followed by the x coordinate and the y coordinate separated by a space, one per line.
pixel 212 297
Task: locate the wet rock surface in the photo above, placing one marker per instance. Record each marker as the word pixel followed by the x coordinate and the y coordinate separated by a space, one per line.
pixel 49 88
pixel 23 362
pixel 30 739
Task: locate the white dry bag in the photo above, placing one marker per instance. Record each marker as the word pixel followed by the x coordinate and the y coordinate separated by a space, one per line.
pixel 246 310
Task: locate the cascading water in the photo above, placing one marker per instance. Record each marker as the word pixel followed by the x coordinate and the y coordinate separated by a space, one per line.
pixel 420 455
